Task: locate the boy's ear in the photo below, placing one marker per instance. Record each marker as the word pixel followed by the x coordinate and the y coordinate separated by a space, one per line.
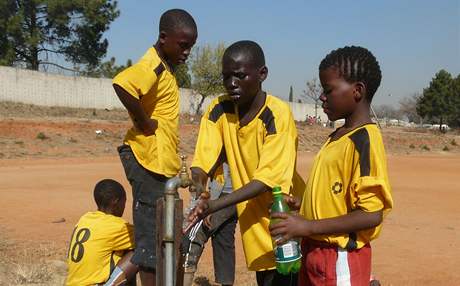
pixel 263 73
pixel 359 90
pixel 162 37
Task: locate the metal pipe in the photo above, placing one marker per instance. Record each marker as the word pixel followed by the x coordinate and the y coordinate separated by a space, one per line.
pixel 168 239
pixel 182 180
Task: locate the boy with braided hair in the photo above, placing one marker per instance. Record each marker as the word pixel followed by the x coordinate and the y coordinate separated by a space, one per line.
pixel 348 192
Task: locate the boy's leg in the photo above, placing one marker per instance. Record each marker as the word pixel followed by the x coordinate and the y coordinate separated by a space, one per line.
pixel 223 245
pixel 147 188
pixel 124 272
pixel 191 248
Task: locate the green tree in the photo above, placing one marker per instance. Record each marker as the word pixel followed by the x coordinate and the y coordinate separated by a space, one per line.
pixel 107 69
pixel 183 77
pixel 313 92
pixel 291 95
pixel 206 66
pixel 34 31
pixel 455 119
pixel 436 102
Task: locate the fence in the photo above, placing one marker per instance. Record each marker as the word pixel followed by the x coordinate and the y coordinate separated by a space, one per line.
pixel 32 87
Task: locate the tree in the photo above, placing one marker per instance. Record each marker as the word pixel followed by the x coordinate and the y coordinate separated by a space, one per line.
pixel 455 118
pixel 291 95
pixel 313 92
pixel 107 69
pixel 437 101
pixel 206 65
pixel 183 77
pixel 387 111
pixel 32 32
pixel 408 108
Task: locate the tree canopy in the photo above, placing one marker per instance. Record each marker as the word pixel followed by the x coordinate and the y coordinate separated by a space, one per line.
pixel 440 100
pixel 206 66
pixel 39 33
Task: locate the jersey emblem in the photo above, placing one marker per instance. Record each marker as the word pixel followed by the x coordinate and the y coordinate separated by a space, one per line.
pixel 337 188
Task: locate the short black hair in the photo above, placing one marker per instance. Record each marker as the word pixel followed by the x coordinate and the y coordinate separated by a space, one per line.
pixel 355 64
pixel 174 19
pixel 251 50
pixel 106 191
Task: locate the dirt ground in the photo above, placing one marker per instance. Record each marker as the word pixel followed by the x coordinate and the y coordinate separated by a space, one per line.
pixel 46 184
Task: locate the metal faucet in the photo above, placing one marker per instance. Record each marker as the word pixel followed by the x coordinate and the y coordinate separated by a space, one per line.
pixel 182 180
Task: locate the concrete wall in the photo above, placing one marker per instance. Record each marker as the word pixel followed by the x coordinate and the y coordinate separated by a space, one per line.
pixel 32 87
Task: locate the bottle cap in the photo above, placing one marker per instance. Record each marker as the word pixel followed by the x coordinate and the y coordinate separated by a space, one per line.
pixel 277 190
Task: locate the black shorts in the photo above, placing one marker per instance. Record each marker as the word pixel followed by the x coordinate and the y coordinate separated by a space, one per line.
pixel 273 278
pixel 147 188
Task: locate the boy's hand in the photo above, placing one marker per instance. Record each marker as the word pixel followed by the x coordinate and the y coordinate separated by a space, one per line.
pixel 293 202
pixel 200 210
pixel 147 127
pixel 290 225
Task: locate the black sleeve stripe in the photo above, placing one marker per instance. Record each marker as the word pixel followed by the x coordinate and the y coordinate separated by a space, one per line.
pixel 219 109
pixel 362 144
pixel 220 160
pixel 112 263
pixel 269 121
pixel 159 69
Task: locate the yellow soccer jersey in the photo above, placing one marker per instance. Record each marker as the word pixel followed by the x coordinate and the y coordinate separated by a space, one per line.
pixel 263 150
pixel 97 244
pixel 152 82
pixel 348 174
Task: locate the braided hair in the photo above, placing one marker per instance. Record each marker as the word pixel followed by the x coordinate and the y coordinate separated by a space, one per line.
pixel 355 64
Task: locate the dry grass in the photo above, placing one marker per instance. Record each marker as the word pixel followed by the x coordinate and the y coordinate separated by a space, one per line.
pixel 30 265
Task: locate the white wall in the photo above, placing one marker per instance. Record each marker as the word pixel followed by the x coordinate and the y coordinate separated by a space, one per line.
pixel 32 87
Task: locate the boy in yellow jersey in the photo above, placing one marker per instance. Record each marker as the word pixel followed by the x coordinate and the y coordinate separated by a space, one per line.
pixel 348 192
pixel 254 132
pixel 101 242
pixel 149 91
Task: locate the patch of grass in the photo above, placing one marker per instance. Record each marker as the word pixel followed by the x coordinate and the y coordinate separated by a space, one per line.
pixel 453 142
pixel 426 148
pixel 412 146
pixel 31 273
pixel 445 148
pixel 41 136
pixel 19 142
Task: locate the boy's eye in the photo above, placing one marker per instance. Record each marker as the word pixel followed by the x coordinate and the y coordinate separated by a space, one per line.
pixel 240 75
pixel 184 46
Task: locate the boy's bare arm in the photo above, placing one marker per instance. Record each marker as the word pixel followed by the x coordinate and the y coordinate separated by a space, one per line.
pixel 248 191
pixel 141 120
pixel 294 225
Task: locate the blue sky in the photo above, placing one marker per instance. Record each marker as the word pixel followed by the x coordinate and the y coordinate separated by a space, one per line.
pixel 411 39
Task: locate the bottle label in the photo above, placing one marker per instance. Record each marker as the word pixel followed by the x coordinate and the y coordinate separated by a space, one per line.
pixel 287 252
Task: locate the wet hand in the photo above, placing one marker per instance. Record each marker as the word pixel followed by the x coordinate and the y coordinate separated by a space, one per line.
pixel 290 225
pixel 200 210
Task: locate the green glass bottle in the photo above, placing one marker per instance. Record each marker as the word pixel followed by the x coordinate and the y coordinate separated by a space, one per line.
pixel 287 255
